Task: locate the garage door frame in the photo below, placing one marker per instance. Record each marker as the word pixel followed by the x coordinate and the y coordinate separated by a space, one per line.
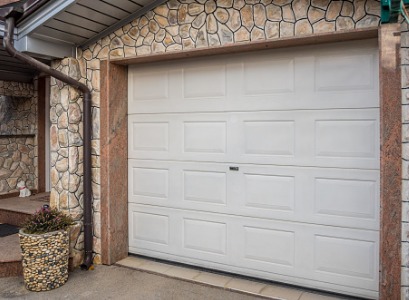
pixel 114 198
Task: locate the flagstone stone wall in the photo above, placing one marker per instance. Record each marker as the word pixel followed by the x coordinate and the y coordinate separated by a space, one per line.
pixel 174 26
pixel 66 151
pixel 18 129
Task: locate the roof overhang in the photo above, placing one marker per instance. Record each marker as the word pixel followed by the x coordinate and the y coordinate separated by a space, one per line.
pixel 58 27
pixel 53 29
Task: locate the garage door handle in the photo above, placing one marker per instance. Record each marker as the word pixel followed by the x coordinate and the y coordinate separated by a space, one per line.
pixel 234 168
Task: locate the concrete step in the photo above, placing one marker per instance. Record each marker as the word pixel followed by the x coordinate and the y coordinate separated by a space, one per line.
pixel 10 256
pixel 14 211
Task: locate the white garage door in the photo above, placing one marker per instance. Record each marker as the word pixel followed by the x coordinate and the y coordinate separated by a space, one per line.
pixel 264 164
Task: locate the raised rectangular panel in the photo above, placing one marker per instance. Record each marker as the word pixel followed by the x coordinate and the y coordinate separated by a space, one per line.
pixel 150 136
pixel 150 85
pixel 269 137
pixel 150 227
pixel 346 138
pixel 204 82
pixel 349 198
pixel 205 137
pixel 205 236
pixel 268 245
pixel 343 256
pixel 266 191
pixel 348 72
pixel 150 182
pixel 203 186
pixel 268 76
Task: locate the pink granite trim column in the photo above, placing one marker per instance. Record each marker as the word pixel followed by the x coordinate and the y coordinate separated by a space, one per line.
pixel 114 162
pixel 391 187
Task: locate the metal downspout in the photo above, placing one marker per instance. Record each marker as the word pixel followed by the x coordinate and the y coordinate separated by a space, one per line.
pixel 8 44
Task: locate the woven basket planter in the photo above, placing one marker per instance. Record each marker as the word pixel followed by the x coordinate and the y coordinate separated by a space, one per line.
pixel 45 259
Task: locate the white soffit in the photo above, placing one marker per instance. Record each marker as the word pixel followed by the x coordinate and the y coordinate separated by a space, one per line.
pixel 60 26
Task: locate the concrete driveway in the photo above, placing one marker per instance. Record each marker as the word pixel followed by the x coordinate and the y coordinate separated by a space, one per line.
pixel 112 282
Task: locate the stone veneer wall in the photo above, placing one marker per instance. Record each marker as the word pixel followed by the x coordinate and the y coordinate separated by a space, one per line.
pixel 18 143
pixel 66 151
pixel 174 26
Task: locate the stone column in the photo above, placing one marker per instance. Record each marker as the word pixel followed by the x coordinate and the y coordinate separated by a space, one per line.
pixel 66 147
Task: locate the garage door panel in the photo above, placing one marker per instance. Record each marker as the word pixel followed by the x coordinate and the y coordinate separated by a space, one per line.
pixel 204 137
pixel 345 139
pixel 213 74
pixel 149 86
pixel 269 191
pixel 354 258
pixel 149 230
pixel 150 182
pixel 189 233
pixel 318 252
pixel 268 137
pixel 327 138
pixel 149 136
pixel 269 245
pixel 268 76
pixel 331 255
pixel 334 77
pixel 263 163
pixel 346 257
pixel 205 236
pixel 345 71
pixel 205 186
pixel 178 88
pixel 326 196
pixel 346 197
pixel 313 195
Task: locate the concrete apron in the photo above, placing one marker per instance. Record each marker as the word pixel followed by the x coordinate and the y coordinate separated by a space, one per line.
pixel 260 288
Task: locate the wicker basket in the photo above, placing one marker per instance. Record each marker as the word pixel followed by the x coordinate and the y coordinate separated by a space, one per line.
pixel 45 259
